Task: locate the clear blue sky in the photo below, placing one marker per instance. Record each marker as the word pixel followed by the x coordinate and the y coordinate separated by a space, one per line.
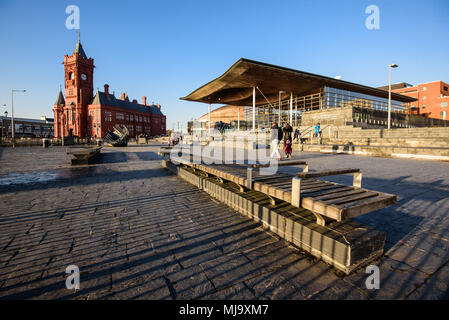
pixel 166 49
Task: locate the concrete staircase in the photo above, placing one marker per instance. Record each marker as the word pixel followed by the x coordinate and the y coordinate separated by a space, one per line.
pixel 422 143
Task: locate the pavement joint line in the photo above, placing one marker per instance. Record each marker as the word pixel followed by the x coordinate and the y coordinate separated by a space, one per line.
pixel 427 279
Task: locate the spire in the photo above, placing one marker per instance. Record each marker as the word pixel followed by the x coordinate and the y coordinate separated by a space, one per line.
pixel 79 47
pixel 60 100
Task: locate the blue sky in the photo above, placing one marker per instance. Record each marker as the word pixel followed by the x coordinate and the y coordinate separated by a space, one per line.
pixel 167 49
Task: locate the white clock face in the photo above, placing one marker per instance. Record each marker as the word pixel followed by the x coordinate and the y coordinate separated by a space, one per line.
pixel 72 76
pixel 83 76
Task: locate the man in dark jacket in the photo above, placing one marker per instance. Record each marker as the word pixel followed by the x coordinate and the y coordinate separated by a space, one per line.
pixel 287 132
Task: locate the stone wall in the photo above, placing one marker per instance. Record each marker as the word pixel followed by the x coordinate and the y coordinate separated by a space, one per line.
pixel 350 115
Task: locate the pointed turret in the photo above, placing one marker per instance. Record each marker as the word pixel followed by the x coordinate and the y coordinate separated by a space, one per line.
pixel 79 48
pixel 60 100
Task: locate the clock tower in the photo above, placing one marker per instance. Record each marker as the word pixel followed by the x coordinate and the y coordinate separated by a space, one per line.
pixel 79 76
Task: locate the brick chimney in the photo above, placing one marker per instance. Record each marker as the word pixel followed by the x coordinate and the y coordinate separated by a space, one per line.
pixel 134 101
pixel 144 100
pixel 106 90
pixel 159 106
pixel 122 96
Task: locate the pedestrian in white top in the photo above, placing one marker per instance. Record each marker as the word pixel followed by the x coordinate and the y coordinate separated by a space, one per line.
pixel 274 139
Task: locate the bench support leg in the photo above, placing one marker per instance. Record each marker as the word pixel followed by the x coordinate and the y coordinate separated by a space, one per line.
pixel 249 178
pixel 274 201
pixel 319 219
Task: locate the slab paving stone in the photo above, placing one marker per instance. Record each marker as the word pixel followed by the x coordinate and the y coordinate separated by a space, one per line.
pixel 397 280
pixel 425 261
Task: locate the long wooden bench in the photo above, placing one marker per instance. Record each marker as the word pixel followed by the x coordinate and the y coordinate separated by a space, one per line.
pixel 327 200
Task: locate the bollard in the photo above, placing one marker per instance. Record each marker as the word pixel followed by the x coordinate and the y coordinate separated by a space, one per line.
pixel 45 143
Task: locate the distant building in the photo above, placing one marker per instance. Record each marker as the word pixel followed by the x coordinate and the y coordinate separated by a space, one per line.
pixel 226 114
pixel 83 114
pixel 30 128
pixel 274 93
pixel 432 98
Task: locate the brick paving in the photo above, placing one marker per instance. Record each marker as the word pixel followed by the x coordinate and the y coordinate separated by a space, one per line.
pixel 138 232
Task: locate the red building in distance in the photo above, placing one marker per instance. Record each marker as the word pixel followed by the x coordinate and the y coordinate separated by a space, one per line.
pixel 432 98
pixel 83 114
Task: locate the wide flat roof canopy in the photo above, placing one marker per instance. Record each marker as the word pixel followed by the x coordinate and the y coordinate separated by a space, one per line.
pixel 235 86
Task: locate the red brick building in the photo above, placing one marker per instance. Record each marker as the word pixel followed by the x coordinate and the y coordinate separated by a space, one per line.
pixel 433 98
pixel 82 114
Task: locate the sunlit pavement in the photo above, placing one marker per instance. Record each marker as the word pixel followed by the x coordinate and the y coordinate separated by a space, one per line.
pixel 137 232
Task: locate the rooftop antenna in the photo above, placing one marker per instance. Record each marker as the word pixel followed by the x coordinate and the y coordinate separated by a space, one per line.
pixel 79 35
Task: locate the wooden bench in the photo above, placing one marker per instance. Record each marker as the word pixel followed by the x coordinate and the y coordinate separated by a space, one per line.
pixel 85 155
pixel 327 200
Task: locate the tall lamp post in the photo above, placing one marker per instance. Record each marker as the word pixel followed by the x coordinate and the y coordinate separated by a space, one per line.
pixel 12 114
pixel 280 92
pixel 389 92
pixel 3 121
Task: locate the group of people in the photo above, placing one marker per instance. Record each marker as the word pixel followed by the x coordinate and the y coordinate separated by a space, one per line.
pixel 285 133
pixel 174 139
pixel 277 134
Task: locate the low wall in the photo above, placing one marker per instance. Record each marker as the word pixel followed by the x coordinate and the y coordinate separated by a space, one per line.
pixel 351 114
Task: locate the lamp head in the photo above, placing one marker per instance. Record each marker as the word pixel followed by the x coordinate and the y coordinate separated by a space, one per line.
pixel 393 65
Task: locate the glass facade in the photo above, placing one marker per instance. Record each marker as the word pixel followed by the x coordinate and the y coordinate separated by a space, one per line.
pixel 343 98
pixel 326 97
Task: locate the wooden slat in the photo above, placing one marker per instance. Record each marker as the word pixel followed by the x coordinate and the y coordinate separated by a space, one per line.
pixel 326 173
pixel 273 177
pixel 324 186
pixel 336 188
pixel 357 208
pixel 352 198
pixel 339 194
pixel 282 163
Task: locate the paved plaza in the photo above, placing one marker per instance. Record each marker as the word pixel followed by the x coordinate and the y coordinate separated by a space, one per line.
pixel 136 231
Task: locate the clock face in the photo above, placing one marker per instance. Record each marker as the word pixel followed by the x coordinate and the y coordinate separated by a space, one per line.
pixel 72 76
pixel 83 76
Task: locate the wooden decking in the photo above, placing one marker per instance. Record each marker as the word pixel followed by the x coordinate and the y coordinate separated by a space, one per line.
pixel 323 198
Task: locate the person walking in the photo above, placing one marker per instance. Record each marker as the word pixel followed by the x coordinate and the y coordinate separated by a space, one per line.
pixel 274 141
pixel 287 130
pixel 297 135
pixel 318 132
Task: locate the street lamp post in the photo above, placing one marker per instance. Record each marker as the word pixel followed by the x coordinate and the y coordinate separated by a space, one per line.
pixel 280 92
pixel 389 92
pixel 3 121
pixel 12 114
